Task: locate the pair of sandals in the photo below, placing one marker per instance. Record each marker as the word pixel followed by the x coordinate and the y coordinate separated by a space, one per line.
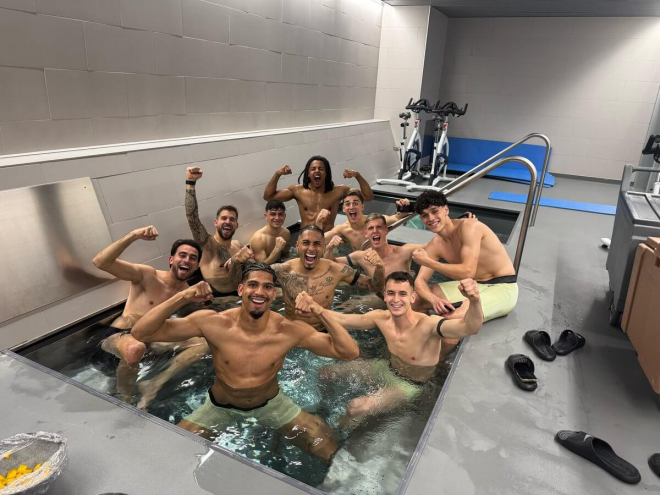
pixel 602 455
pixel 522 367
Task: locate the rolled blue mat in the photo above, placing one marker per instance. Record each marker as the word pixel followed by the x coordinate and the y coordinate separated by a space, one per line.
pixel 556 203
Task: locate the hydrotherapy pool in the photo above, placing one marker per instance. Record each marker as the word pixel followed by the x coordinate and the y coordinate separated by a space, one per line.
pixel 377 463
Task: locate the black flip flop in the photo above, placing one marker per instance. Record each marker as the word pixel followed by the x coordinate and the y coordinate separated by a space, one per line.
pixel 600 453
pixel 567 342
pixel 522 369
pixel 654 464
pixel 540 342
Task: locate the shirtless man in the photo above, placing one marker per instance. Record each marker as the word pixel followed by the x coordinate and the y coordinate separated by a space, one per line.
pixel 319 277
pixel 248 345
pixel 352 230
pixel 272 241
pixel 413 339
pixel 395 258
pixel 317 191
pixel 471 250
pixel 149 287
pixel 219 247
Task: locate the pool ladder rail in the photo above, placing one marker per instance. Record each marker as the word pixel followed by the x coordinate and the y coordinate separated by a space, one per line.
pixel 533 196
pixel 411 186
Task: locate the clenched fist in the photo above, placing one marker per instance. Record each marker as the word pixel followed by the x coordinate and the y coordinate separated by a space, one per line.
pixel 469 289
pixel 146 233
pixel 322 216
pixel 285 170
pixel 421 257
pixel 199 292
pixel 243 255
pixel 334 242
pixel 350 174
pixel 280 243
pixel 193 173
pixel 372 257
pixel 305 305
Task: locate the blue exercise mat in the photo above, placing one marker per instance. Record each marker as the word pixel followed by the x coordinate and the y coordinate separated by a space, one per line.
pixel 465 153
pixel 556 203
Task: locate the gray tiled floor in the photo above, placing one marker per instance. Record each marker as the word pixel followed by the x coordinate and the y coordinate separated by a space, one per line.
pixel 490 436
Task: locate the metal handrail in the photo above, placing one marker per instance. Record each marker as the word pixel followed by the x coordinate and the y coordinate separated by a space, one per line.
pixel 527 212
pixel 546 159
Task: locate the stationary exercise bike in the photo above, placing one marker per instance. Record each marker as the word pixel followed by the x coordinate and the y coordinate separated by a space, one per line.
pixel 440 140
pixel 650 149
pixel 410 153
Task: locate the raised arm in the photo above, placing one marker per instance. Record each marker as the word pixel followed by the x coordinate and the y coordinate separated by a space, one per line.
pixel 471 322
pixel 402 211
pixel 271 191
pixel 258 246
pixel 237 263
pixel 330 246
pixel 199 232
pixel 337 343
pixel 470 235
pixel 156 325
pixel 375 283
pixel 365 188
pixel 107 260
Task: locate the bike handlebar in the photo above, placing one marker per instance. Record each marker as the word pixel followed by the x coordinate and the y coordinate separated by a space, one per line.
pixel 449 108
pixel 419 105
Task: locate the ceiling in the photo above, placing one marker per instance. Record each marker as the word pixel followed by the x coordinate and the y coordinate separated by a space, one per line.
pixel 540 8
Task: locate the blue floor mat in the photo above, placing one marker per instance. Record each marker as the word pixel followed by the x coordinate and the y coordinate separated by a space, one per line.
pixel 521 176
pixel 556 203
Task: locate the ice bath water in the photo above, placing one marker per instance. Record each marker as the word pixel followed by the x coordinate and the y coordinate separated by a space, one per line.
pixel 380 448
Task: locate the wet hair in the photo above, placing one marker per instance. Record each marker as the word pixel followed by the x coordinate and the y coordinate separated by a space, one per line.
pixel 186 242
pixel 314 228
pixel 375 216
pixel 275 204
pixel 228 208
pixel 329 185
pixel 354 192
pixel 428 199
pixel 400 277
pixel 258 266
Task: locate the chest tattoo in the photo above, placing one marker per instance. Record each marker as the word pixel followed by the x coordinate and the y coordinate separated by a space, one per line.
pixel 223 254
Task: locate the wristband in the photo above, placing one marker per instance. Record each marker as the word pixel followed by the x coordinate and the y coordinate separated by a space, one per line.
pixel 191 182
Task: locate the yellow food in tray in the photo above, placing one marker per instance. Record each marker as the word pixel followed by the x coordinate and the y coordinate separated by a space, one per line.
pixel 16 474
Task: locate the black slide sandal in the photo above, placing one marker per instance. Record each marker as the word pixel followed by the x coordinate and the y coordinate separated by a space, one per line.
pixel 568 342
pixel 522 370
pixel 654 464
pixel 540 342
pixel 600 453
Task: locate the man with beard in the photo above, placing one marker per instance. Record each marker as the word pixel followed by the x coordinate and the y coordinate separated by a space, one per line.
pixel 271 241
pixel 471 250
pixel 352 230
pixel 319 277
pixel 219 247
pixel 249 345
pixel 413 339
pixel 317 191
pixel 395 258
pixel 149 287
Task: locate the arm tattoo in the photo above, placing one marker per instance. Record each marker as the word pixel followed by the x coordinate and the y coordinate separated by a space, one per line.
pixel 236 269
pixel 192 214
pixel 378 280
pixel 375 283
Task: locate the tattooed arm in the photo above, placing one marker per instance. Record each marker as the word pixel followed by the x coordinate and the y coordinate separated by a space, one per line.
pixel 238 261
pixel 374 284
pixel 198 230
